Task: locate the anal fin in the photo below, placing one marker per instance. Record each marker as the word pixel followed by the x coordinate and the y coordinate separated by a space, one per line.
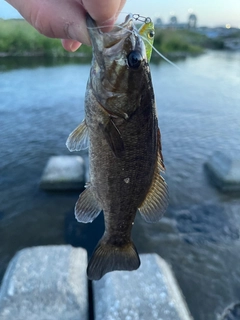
pixel 156 201
pixel 87 207
pixel 78 139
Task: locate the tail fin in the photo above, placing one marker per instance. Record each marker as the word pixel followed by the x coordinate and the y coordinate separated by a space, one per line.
pixel 107 258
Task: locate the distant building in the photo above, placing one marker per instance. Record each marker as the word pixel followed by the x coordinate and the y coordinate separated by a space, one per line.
pixel 158 23
pixel 173 21
pixel 217 32
pixel 192 21
pixel 174 24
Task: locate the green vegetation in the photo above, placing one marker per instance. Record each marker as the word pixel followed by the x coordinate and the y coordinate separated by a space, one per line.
pixel 236 34
pixel 18 38
pixel 179 42
pixel 170 42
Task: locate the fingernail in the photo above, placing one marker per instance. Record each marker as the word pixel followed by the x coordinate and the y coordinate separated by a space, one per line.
pixel 74 46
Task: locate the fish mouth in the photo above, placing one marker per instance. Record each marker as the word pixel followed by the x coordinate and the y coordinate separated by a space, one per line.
pixel 124 28
pixel 119 32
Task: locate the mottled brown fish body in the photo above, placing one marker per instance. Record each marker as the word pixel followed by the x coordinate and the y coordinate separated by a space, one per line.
pixel 121 183
pixel 124 147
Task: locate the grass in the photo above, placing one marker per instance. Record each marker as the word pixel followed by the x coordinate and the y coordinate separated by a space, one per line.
pixel 18 38
pixel 169 41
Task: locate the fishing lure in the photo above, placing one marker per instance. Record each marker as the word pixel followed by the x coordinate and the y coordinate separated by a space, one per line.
pixel 147 33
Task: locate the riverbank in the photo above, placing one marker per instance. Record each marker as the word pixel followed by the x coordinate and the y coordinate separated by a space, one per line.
pixel 18 38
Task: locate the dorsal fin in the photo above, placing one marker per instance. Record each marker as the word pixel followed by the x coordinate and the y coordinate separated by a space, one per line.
pixel 161 163
pixel 78 139
pixel 156 201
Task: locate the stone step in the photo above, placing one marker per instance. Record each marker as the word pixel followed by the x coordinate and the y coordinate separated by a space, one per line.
pixel 50 283
pixel 64 173
pixel 224 171
pixel 151 292
pixel 45 283
pixel 232 312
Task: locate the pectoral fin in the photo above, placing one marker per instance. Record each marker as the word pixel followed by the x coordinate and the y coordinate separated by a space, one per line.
pixel 87 207
pixel 156 201
pixel 113 137
pixel 78 139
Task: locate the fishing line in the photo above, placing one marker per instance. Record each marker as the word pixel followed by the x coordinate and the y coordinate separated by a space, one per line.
pixel 161 55
pixel 130 31
pixel 102 27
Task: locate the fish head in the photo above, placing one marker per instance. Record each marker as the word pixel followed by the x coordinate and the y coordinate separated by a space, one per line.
pixel 119 56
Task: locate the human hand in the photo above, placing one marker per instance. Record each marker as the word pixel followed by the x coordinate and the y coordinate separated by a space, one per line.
pixel 66 19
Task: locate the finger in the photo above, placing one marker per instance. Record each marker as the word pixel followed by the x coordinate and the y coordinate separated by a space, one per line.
pixel 55 18
pixel 70 45
pixel 104 12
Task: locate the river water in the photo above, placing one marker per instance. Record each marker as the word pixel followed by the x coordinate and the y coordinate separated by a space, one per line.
pixel 41 102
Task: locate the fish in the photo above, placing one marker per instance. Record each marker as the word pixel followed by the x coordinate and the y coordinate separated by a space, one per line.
pixel 147 32
pixel 125 154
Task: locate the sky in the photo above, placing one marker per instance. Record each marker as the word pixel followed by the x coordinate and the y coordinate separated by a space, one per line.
pixel 209 12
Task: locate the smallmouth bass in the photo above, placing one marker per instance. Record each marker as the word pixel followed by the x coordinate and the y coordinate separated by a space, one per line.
pixel 121 129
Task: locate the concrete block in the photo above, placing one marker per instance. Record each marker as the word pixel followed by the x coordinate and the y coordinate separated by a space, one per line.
pixel 45 283
pixel 151 292
pixel 224 171
pixel 232 312
pixel 64 173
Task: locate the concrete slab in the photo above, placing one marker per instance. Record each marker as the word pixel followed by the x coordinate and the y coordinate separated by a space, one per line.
pixel 45 283
pixel 64 173
pixel 224 171
pixel 232 312
pixel 151 292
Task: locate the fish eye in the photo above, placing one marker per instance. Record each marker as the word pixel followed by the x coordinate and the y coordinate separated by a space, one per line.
pixel 151 34
pixel 134 59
